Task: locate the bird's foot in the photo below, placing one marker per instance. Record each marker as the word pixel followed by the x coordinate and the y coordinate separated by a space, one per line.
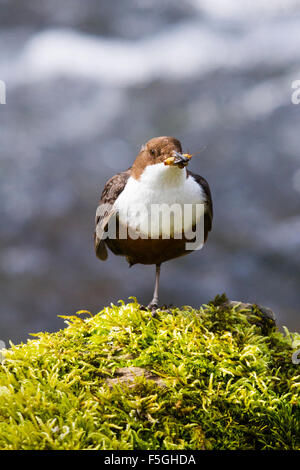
pixel 153 306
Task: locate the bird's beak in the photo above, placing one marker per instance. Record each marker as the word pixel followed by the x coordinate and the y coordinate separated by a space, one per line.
pixel 178 159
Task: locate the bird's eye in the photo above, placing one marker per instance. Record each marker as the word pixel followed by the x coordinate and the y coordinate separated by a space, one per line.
pixel 152 151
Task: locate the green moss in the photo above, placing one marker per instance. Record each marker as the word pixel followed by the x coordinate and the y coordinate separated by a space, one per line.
pixel 229 383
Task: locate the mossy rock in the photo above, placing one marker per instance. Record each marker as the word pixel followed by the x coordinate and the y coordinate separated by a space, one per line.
pixel 219 377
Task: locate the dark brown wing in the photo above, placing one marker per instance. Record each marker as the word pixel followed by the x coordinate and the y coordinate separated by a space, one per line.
pixel 105 211
pixel 208 215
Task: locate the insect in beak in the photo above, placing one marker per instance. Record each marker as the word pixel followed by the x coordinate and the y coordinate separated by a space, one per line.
pixel 178 159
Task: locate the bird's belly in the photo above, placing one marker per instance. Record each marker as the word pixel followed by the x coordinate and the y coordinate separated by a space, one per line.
pixel 148 251
pixel 160 212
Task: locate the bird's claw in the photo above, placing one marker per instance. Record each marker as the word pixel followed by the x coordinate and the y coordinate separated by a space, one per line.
pixel 153 306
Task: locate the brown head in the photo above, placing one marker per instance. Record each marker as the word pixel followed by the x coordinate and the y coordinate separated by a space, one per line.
pixel 164 149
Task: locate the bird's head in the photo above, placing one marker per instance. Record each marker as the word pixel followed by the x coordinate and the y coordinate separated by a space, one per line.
pixel 160 150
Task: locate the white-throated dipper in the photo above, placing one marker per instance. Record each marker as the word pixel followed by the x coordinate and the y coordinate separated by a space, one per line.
pixel 133 217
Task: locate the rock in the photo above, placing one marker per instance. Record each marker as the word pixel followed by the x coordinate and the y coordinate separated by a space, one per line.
pixel 127 375
pixel 265 311
pixel 257 314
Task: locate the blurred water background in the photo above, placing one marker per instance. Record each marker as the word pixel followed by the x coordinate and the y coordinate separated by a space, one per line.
pixel 87 83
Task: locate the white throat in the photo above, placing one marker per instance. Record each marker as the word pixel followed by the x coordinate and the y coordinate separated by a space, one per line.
pixel 161 175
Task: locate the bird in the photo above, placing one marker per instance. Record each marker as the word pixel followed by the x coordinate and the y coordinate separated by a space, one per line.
pixel 158 178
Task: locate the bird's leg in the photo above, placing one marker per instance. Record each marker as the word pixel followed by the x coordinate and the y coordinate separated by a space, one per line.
pixel 154 302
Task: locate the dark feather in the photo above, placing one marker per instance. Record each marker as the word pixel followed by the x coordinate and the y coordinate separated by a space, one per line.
pixel 208 216
pixel 110 193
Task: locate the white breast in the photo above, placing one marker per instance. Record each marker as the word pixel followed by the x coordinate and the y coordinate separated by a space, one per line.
pixel 160 188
